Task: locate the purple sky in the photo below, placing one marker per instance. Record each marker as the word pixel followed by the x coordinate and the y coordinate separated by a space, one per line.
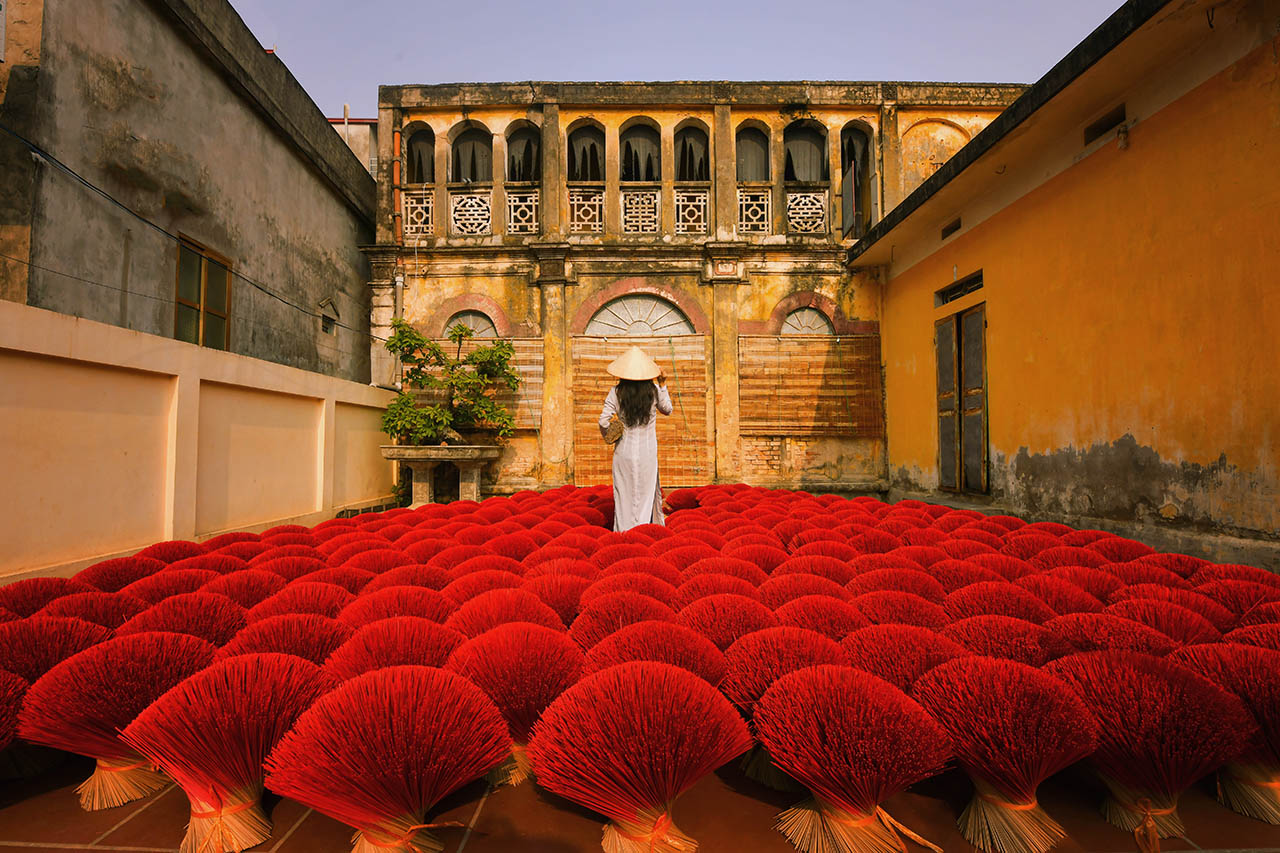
pixel 342 50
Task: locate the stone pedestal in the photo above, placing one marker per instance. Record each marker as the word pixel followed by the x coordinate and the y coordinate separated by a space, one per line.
pixel 423 459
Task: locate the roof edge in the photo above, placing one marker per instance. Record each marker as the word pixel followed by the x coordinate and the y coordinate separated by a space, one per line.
pixel 1121 24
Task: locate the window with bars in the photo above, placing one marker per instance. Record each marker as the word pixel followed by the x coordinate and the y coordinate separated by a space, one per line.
pixel 202 314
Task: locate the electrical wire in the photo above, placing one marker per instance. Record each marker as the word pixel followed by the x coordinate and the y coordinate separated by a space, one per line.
pixel 47 157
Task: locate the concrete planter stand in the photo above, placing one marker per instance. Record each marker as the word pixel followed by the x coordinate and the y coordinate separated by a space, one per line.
pixel 422 460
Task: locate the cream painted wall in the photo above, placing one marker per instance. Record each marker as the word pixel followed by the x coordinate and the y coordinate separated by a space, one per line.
pixel 239 429
pixel 112 439
pixel 79 443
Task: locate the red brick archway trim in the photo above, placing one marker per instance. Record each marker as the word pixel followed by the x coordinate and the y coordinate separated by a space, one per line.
pixel 626 286
pixel 435 326
pixel 806 299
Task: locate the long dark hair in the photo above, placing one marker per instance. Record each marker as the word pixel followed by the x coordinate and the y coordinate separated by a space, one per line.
pixel 636 398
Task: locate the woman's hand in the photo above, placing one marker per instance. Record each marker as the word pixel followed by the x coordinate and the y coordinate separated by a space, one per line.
pixel 661 380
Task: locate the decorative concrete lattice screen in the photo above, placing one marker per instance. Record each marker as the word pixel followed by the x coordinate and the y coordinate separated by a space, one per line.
pixel 419 214
pixel 755 211
pixel 800 385
pixel 525 403
pixel 471 214
pixel 691 211
pixel 685 447
pixel 640 211
pixel 522 212
pixel 807 212
pixel 586 210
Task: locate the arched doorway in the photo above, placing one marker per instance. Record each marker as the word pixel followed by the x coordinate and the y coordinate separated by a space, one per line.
pixel 658 326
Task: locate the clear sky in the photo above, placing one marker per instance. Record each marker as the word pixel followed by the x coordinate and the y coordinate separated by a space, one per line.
pixel 341 50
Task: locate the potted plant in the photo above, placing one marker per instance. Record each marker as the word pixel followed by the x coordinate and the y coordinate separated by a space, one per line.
pixel 455 415
pixel 461 391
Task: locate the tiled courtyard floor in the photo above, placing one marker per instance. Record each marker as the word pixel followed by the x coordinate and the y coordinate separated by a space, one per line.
pixel 724 812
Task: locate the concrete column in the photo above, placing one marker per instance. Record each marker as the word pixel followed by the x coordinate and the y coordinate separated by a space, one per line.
pixel 552 174
pixel 556 436
pixel 326 453
pixel 383 225
pixel 667 212
pixel 724 186
pixel 725 356
pixel 612 190
pixel 383 310
pixel 833 182
pixel 499 197
pixel 777 162
pixel 182 457
pixel 442 153
pixel 890 150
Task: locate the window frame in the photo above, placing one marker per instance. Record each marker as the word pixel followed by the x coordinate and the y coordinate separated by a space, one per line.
pixel 206 255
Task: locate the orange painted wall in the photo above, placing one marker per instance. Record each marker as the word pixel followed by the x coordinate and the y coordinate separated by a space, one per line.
pixel 1133 294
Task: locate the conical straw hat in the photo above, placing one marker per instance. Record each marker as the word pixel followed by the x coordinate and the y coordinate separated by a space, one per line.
pixel 634 364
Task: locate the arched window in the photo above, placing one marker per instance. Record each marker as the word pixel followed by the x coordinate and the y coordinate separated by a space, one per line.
pixel 472 156
pixel 806 154
pixel 753 155
pixel 421 159
pixel 639 315
pixel 691 155
pixel 523 162
pixel 477 321
pixel 807 321
pixel 855 183
pixel 586 155
pixel 641 154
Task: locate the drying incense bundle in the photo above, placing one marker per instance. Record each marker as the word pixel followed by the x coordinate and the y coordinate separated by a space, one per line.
pixel 899 653
pixel 415 574
pixel 12 689
pixel 830 617
pixel 498 607
pixel 662 642
pixel 627 741
pixel 831 568
pixel 1008 639
pixel 211 734
pixel 306 635
pixel 1087 632
pixel 724 618
pixel 523 668
pixel 168 583
pixel 701 586
pixel 31 647
pixel 726 565
pixel 606 614
pixel 246 587
pixel 397 601
pixel 291 562
pixel 81 705
pixel 853 740
pixel 28 596
pixel 915 581
pixel 172 550
pixel 1011 727
pixel 325 599
pixel 382 749
pixel 562 593
pixel 115 575
pixel 637 582
pixel 1160 728
pixel 1220 617
pixel 777 591
pixel 997 598
pixel 1181 624
pixel 351 579
pixel 487 563
pixel 467 586
pixel 108 609
pixel 210 617
pixel 1060 594
pixel 398 641
pixel 1250 783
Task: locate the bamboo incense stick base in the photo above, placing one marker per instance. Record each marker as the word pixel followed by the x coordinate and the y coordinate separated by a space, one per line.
pixel 815 827
pixel 408 834
pixel 1252 790
pixel 237 824
pixel 116 782
pixel 1128 809
pixel 514 771
pixel 992 823
pixel 652 833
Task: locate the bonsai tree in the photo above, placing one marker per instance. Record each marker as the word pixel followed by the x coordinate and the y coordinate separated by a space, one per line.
pixel 464 389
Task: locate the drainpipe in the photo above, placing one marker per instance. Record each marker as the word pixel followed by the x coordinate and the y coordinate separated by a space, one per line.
pixel 396 220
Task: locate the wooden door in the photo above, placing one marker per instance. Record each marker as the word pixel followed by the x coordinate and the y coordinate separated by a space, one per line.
pixel 960 352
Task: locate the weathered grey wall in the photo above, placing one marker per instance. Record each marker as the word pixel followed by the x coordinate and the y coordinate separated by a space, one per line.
pixel 175 110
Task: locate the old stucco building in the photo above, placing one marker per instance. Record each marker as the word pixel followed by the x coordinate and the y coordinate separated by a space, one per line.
pixel 705 221
pixel 160 171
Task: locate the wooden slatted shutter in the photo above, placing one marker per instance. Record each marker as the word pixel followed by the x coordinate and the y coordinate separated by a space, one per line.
pixel 973 408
